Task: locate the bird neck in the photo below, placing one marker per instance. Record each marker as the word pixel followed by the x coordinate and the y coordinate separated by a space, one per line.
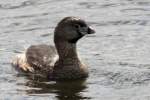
pixel 66 50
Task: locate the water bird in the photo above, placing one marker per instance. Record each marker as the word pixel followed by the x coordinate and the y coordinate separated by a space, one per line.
pixel 59 62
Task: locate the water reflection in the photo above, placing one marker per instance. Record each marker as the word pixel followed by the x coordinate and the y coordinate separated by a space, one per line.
pixel 70 90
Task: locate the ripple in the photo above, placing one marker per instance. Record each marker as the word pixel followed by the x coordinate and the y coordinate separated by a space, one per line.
pixel 88 4
pixel 122 22
pixel 23 4
pixel 134 9
pixel 108 5
pixel 142 3
pixel 32 29
pixel 45 35
pixel 26 16
pixel 91 5
pixel 142 66
pixel 126 78
pixel 13 24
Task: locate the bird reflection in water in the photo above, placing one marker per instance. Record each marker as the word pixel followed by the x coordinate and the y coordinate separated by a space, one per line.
pixel 64 90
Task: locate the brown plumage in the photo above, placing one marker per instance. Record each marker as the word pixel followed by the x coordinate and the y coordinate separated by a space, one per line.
pixel 59 62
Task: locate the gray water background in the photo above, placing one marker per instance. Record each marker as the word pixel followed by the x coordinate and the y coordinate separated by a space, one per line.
pixel 118 55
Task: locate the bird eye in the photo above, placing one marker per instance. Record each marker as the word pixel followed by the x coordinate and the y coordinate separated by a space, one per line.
pixel 77 26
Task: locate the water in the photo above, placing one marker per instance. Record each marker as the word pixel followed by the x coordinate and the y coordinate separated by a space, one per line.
pixel 118 54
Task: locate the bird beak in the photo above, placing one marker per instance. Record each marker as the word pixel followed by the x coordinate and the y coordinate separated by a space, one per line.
pixel 91 30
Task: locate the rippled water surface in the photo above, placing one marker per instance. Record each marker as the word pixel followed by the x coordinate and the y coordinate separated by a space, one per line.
pixel 118 54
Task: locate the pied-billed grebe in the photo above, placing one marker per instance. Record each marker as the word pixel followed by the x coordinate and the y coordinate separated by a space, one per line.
pixel 60 62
